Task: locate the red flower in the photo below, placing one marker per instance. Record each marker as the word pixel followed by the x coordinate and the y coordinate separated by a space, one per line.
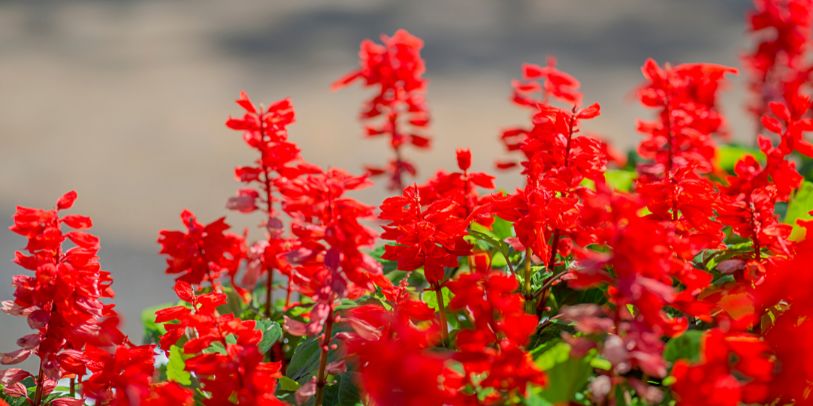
pixel 747 202
pixel 716 380
pixel 122 377
pixel 395 69
pixel 425 235
pixel 391 348
pixel 461 187
pixel 61 299
pixel 779 62
pixel 238 372
pixel 495 344
pixel 202 252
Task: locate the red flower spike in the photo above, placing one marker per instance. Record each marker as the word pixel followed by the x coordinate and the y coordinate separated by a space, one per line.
pixel 779 65
pixel 718 381
pixel 395 70
pixel 237 373
pixel 495 344
pixel 202 252
pixel 62 298
pixel 428 235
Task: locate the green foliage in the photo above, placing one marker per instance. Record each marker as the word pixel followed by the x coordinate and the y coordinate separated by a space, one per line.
pixel 799 208
pixel 343 391
pixel 304 361
pixel 176 367
pixel 620 179
pixel 685 346
pixel 567 375
pixel 272 332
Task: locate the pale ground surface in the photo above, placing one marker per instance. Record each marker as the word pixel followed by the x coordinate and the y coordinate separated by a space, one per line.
pixel 125 101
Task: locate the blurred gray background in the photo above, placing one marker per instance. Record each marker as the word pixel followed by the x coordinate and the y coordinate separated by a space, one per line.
pixel 125 101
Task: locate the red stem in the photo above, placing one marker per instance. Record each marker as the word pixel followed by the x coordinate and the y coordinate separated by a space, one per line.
pixel 321 377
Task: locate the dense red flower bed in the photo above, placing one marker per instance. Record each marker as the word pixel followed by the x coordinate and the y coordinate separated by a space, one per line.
pixel 680 273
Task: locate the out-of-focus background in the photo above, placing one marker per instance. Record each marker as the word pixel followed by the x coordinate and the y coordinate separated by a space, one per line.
pixel 125 101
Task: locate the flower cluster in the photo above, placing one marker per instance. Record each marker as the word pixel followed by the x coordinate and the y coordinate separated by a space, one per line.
pixel 395 70
pixel 679 276
pixel 778 64
pixel 76 334
pixel 223 351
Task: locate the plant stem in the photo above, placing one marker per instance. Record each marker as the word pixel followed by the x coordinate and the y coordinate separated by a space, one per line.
pixel 40 387
pixel 527 288
pixel 321 377
pixel 73 387
pixel 444 328
pixel 269 287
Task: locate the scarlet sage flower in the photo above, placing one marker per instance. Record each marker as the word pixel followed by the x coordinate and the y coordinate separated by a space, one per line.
pixel 681 149
pixel 785 296
pixel 778 63
pixel 202 252
pixel 748 201
pixel 397 110
pixel 461 187
pixel 237 373
pixel 716 380
pixel 61 298
pixel 122 377
pixel 556 160
pixel 265 130
pixel 492 350
pixel 425 235
pixel 392 351
pixel 331 263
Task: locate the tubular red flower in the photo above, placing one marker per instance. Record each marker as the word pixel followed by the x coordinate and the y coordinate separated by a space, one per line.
pixel 202 252
pixel 395 70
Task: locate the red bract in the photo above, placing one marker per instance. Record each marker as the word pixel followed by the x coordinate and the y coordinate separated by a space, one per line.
pixel 122 377
pixel 61 300
pixel 747 202
pixel 734 368
pixel 680 146
pixel 556 162
pixel 685 97
pixel 391 348
pixel 331 265
pixel 202 252
pixel 266 131
pixel 779 62
pixel 425 235
pixel 237 371
pixel 785 302
pixel 492 351
pixel 461 187
pixel 644 270
pixel 395 70
pixel 330 234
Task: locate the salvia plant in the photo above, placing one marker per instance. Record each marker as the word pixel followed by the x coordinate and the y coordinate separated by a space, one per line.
pixel 677 274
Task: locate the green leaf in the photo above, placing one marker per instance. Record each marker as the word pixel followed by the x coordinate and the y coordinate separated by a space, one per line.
pixel 502 228
pixel 272 332
pixel 176 367
pixel 304 361
pixel 620 179
pixel 799 208
pixel 431 299
pixel 685 346
pixel 728 155
pixel 343 391
pixel 287 384
pixel 567 375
